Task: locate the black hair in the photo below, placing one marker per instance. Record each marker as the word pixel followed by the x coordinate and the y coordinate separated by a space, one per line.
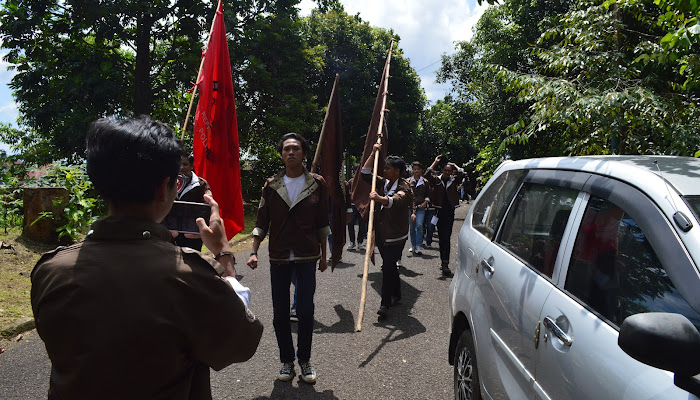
pixel 396 162
pixel 127 159
pixel 190 156
pixel 292 135
pixel 417 164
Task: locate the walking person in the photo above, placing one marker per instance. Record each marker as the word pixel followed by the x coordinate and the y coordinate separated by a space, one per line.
pixel 420 203
pixel 393 198
pixel 446 200
pixel 294 210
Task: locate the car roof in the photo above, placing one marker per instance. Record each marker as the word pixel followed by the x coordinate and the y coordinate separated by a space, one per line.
pixel 683 173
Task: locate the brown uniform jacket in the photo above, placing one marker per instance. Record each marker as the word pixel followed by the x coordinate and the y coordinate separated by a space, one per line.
pixel 391 223
pixel 128 315
pixel 298 226
pixel 420 191
pixel 440 198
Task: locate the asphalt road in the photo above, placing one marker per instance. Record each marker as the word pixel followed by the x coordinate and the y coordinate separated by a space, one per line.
pixel 402 357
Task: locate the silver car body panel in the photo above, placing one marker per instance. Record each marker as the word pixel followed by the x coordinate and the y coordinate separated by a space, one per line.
pixel 504 308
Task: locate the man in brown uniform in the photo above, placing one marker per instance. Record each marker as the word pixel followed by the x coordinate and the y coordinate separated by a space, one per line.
pixel 393 199
pixel 446 199
pixel 420 204
pixel 126 314
pixel 294 209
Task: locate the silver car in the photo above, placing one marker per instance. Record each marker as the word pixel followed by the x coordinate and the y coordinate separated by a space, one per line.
pixel 578 279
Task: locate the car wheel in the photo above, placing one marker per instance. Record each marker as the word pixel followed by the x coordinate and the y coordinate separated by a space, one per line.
pixel 466 374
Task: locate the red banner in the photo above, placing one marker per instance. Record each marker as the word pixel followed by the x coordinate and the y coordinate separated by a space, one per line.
pixel 215 144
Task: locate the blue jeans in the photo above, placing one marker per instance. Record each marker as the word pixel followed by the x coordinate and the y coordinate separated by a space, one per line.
pixel 429 228
pixel 281 279
pixel 416 228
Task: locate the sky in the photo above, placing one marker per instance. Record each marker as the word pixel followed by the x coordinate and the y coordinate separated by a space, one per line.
pixel 428 29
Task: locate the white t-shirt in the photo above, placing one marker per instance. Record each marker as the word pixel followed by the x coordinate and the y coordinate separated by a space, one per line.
pixel 294 186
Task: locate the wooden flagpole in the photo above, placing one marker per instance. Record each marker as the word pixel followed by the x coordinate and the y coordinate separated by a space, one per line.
pixel 317 155
pixel 199 74
pixel 370 227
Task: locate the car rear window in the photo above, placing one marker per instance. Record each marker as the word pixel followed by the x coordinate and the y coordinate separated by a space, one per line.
pixel 694 203
pixel 488 211
pixel 536 223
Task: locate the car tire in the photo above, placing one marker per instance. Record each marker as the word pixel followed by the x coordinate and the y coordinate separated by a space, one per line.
pixel 466 374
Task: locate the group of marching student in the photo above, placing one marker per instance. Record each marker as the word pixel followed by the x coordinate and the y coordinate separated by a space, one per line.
pixel 294 212
pixel 129 277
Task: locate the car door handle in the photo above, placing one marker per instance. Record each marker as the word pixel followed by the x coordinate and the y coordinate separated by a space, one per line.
pixel 556 330
pixel 488 267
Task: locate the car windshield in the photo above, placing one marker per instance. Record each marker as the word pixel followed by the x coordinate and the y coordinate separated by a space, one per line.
pixel 694 202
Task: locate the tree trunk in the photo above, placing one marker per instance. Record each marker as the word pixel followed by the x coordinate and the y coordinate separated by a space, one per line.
pixel 43 199
pixel 143 93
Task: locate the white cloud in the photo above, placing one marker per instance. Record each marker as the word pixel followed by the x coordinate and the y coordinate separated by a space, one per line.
pixel 8 112
pixel 8 108
pixel 428 29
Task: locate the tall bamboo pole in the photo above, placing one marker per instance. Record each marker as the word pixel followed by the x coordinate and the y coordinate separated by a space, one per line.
pixel 199 73
pixel 370 227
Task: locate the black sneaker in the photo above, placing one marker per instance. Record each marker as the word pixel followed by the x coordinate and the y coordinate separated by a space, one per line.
pixel 446 271
pixel 383 311
pixel 308 374
pixel 395 300
pixel 287 372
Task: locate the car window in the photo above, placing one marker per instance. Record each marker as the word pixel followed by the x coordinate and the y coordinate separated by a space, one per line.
pixel 535 225
pixel 488 211
pixel 694 202
pixel 615 271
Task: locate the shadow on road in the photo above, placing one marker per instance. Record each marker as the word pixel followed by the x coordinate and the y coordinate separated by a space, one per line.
pixel 342 265
pixel 346 324
pixel 399 324
pixel 287 390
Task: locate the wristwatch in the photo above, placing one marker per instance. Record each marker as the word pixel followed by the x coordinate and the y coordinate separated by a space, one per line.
pixel 223 253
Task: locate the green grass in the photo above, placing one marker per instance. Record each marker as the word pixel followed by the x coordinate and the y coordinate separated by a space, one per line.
pixel 249 222
pixel 15 269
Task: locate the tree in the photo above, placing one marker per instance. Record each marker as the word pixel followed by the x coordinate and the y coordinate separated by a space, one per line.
pixel 503 37
pixel 350 47
pixel 679 18
pixel 78 60
pixel 592 95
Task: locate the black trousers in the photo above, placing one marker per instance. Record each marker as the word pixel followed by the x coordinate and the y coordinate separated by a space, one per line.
pixel 391 283
pixel 446 219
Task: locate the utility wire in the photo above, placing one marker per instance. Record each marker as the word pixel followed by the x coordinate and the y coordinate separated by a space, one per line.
pixel 429 66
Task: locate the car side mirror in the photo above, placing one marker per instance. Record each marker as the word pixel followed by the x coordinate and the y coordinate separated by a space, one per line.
pixel 666 341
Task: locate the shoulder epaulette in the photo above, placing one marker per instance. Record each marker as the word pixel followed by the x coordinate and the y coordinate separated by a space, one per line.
pixel 194 255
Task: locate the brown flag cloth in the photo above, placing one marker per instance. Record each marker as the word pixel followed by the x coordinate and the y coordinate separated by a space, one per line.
pixel 328 162
pixel 360 187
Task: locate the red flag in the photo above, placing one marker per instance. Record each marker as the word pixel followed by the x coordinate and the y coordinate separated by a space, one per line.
pixel 361 188
pixel 215 146
pixel 329 162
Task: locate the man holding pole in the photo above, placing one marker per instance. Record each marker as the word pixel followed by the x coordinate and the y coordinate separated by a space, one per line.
pixel 294 208
pixel 446 200
pixel 394 198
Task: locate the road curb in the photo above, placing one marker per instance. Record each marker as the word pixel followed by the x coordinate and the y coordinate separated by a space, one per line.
pixel 24 325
